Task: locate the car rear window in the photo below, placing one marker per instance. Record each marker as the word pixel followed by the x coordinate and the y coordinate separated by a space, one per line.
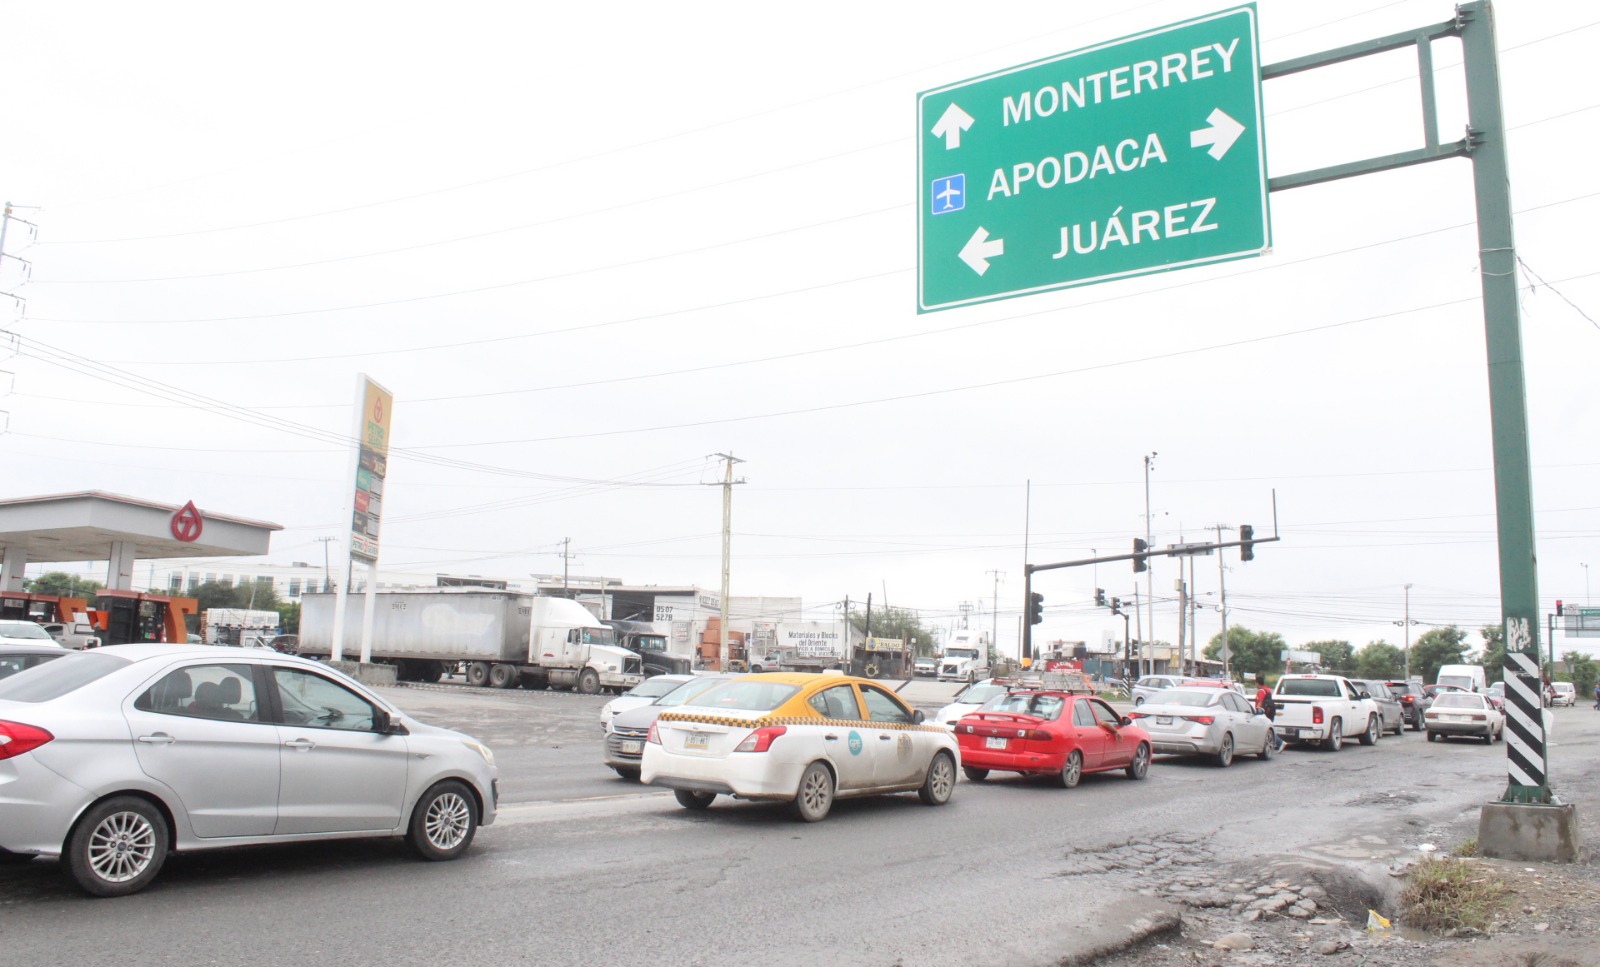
pixel 688 690
pixel 655 687
pixel 1184 696
pixel 53 679
pixel 1047 707
pixel 747 695
pixel 1312 687
pixel 1457 700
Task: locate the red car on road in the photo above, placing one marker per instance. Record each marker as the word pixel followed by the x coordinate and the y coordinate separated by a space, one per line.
pixel 1050 733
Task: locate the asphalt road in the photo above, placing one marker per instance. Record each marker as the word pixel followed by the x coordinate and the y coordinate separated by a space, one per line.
pixel 586 868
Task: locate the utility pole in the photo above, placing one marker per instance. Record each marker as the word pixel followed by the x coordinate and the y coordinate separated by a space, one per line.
pixel 1408 632
pixel 727 549
pixel 995 621
pixel 1139 617
pixel 566 544
pixel 326 581
pixel 1183 623
pixel 1150 571
pixel 1025 633
pixel 1222 594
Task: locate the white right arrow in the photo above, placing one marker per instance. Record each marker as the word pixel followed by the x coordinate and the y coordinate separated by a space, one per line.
pixel 980 248
pixel 1221 134
pixel 951 123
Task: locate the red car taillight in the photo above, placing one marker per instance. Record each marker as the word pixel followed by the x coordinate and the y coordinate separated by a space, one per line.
pixel 761 739
pixel 1138 715
pixel 1316 715
pixel 653 737
pixel 1408 699
pixel 1202 719
pixel 16 738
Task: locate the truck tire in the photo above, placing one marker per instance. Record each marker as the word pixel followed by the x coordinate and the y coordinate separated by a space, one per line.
pixel 1335 738
pixel 436 670
pixel 589 682
pixel 504 676
pixel 478 674
pixel 1373 731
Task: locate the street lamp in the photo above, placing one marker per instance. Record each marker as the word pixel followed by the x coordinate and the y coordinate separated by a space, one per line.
pixel 1587 601
pixel 1408 632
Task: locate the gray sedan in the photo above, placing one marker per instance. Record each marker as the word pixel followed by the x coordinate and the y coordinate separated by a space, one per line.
pixel 1206 721
pixel 112 758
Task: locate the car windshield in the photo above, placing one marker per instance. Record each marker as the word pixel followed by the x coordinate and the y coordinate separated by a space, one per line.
pixel 1457 700
pixel 1186 696
pixel 23 629
pixel 655 687
pixel 978 694
pixel 1314 687
pixel 688 690
pixel 1047 707
pixel 53 679
pixel 959 653
pixel 1460 681
pixel 748 695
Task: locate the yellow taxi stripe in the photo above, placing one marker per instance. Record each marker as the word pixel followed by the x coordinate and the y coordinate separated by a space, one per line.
pixel 766 721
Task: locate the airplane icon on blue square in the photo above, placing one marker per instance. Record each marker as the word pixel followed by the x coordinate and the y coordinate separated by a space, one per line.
pixel 949 194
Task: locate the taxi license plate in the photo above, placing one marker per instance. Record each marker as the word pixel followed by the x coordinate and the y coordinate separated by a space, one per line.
pixel 632 747
pixel 1289 732
pixel 696 740
pixel 994 742
pixel 1163 720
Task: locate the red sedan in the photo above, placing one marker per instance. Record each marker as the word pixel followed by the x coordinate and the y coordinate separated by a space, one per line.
pixel 1048 733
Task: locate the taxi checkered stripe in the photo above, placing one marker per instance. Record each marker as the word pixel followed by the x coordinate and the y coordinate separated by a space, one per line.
pixel 766 721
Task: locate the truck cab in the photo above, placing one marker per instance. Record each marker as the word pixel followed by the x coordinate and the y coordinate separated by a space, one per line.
pixel 965 658
pixel 650 645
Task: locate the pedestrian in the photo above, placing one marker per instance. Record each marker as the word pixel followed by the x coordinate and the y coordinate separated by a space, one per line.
pixel 1264 703
pixel 1597 696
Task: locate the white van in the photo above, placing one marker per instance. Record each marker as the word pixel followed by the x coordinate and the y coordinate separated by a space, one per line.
pixel 1470 677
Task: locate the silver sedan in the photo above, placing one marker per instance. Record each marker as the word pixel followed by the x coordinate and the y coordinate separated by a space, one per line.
pixel 1205 721
pixel 112 758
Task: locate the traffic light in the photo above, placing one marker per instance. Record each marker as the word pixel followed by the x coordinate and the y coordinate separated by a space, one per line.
pixel 1247 551
pixel 1116 605
pixel 1035 608
pixel 1099 597
pixel 1139 547
pixel 1558 608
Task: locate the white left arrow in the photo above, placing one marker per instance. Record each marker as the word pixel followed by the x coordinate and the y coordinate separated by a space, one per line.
pixel 951 123
pixel 1221 134
pixel 980 248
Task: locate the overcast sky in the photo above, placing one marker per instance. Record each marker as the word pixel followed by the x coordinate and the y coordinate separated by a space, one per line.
pixel 590 246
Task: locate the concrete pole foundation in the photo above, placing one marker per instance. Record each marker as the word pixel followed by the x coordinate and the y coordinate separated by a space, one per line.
pixel 1529 832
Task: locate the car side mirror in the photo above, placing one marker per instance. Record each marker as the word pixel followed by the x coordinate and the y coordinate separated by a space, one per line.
pixel 1123 720
pixel 385 724
pixel 1363 694
pixel 917 718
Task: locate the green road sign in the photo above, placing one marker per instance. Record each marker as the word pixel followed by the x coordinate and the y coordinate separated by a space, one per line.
pixel 1133 156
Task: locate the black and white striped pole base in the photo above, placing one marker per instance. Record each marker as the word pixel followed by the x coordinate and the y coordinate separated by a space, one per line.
pixel 1528 765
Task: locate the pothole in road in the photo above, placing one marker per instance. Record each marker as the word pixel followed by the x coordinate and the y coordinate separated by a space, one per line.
pixel 1392 800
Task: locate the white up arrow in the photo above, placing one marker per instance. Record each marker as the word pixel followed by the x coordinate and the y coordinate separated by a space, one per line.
pixel 1221 134
pixel 980 248
pixel 951 123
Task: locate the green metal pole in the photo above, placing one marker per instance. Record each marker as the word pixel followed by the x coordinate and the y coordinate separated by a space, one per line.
pixel 1527 762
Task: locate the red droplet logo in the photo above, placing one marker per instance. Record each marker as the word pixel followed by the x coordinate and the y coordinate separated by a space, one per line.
pixel 186 523
pixel 377 410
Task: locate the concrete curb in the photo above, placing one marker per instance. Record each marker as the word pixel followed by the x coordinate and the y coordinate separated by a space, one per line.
pixel 1141 919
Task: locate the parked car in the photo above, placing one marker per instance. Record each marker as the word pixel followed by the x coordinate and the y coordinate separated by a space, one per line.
pixel 1414 700
pixel 925 666
pixel 1465 713
pixel 1050 733
pixel 1391 713
pixel 1434 689
pixel 1215 722
pixel 626 735
pixel 1497 695
pixel 1151 684
pixel 639 695
pixel 968 700
pixel 24 633
pixel 15 657
pixel 798 738
pixel 118 756
pixel 1566 693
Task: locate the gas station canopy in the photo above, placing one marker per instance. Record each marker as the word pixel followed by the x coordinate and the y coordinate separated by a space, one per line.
pixel 97 526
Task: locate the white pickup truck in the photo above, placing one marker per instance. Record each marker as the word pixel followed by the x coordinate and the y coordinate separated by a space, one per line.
pixel 1324 709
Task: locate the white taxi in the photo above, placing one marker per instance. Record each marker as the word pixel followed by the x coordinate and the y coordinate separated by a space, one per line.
pixel 798 738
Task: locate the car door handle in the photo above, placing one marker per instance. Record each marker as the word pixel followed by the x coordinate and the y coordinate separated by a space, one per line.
pixel 159 738
pixel 830 738
pixel 885 738
pixel 300 745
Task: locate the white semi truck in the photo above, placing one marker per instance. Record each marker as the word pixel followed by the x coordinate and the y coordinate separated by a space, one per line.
pixel 965 657
pixel 498 638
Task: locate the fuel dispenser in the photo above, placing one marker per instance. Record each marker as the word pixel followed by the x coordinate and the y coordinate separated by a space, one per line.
pixel 133 617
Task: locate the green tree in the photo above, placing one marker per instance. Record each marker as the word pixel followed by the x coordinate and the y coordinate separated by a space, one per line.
pixel 289 617
pixel 1435 647
pixel 1251 653
pixel 1584 672
pixel 1494 652
pixel 62 584
pixel 1336 655
pixel 899 623
pixel 1379 659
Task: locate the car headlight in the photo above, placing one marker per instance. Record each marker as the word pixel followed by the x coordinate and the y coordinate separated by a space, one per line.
pixel 481 749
